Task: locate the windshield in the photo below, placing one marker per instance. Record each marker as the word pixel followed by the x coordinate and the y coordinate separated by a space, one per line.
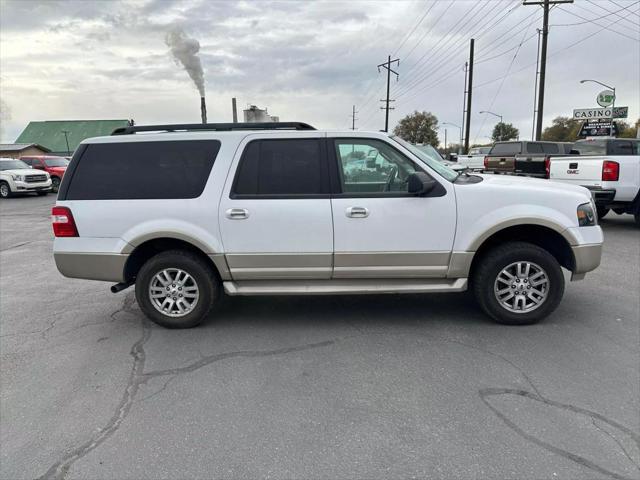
pixel 13 165
pixel 56 162
pixel 437 165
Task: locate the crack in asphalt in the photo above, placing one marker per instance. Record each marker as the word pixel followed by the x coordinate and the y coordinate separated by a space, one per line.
pixel 17 245
pixel 137 377
pixel 489 392
pixel 620 444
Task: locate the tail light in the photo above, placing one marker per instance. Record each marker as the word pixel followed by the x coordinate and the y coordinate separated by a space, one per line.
pixel 63 223
pixel 610 171
pixel 486 162
pixel 547 167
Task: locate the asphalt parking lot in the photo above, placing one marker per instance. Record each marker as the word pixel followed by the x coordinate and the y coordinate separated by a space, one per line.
pixel 313 387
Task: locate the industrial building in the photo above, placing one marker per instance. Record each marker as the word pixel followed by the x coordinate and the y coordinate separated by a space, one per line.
pixel 61 137
pixel 253 114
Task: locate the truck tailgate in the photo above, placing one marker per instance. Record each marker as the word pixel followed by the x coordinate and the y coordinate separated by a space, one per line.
pixel 583 171
pixel 500 163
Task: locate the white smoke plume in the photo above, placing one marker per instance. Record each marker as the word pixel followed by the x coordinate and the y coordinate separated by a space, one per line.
pixel 185 51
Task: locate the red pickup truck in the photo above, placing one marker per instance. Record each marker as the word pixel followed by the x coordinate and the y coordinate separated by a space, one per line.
pixel 55 166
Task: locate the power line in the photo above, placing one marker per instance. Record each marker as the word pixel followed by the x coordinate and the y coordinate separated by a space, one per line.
pixel 433 3
pixel 440 45
pixel 590 20
pixel 583 39
pixel 438 65
pixel 503 79
pixel 587 20
pixel 630 11
pixel 429 30
pixel 634 25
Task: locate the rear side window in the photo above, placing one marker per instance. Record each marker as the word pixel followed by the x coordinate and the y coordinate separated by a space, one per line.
pixel 621 147
pixel 143 170
pixel 511 148
pixel 282 167
pixel 550 148
pixel 534 148
pixel 591 147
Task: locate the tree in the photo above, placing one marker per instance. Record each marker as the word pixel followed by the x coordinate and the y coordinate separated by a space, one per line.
pixel 626 131
pixel 504 131
pixel 418 127
pixel 562 129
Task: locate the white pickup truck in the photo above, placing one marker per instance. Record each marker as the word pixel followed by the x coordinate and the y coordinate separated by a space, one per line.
pixel 474 160
pixel 614 179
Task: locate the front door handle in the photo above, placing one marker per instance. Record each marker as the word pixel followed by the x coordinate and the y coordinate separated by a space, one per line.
pixel 237 213
pixel 357 212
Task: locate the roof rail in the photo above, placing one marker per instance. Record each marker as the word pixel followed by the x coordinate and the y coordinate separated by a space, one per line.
pixel 218 127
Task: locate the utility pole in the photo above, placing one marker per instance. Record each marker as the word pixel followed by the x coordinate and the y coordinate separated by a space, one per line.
pixel 66 139
pixel 464 103
pixel 469 93
pixel 445 140
pixel 387 66
pixel 353 118
pixel 535 89
pixel 543 56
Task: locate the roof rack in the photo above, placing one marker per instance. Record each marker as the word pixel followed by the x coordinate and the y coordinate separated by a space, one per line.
pixel 218 127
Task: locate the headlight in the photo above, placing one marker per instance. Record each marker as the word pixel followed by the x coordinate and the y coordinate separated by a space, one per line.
pixel 586 215
pixel 18 178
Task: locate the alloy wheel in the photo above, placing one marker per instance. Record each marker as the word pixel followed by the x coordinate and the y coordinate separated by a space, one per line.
pixel 521 287
pixel 173 292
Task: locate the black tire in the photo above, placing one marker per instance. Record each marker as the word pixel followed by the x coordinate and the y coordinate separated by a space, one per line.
pixel 602 211
pixel 637 219
pixel 207 282
pixel 5 190
pixel 620 211
pixel 498 258
pixel 42 194
pixel 55 184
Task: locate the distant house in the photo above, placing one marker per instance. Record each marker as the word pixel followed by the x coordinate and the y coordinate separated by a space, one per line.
pixel 62 137
pixel 17 150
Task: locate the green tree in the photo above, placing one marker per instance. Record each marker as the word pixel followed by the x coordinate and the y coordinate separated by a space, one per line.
pixel 562 129
pixel 626 131
pixel 504 131
pixel 418 127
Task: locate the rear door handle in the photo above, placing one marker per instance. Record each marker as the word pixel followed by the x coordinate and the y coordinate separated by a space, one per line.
pixel 237 213
pixel 357 212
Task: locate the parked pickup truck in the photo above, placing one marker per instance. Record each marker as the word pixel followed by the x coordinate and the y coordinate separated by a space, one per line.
pixel 522 157
pixel 474 160
pixel 614 180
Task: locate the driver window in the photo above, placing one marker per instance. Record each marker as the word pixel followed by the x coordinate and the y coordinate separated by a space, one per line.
pixel 372 166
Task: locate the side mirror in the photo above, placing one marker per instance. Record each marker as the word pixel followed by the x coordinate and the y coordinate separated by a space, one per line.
pixel 453 157
pixel 419 183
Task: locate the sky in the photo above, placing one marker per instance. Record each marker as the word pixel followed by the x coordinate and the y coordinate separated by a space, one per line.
pixel 311 61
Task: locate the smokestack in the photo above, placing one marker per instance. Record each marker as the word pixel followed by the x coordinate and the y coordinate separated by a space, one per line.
pixel 234 110
pixel 203 110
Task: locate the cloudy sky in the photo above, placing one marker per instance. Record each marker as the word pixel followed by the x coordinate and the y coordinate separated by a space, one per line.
pixel 310 61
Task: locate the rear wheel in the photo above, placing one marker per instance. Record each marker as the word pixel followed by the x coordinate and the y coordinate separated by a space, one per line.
pixel 176 289
pixel 602 211
pixel 5 191
pixel 518 283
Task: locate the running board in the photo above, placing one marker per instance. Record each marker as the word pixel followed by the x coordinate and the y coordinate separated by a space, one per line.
pixel 343 286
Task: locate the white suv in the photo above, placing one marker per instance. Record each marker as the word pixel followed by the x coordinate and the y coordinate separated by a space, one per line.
pixel 18 177
pixel 185 211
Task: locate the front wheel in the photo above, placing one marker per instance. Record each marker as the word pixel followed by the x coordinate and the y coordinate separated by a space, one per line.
pixel 5 191
pixel 518 283
pixel 176 289
pixel 55 184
